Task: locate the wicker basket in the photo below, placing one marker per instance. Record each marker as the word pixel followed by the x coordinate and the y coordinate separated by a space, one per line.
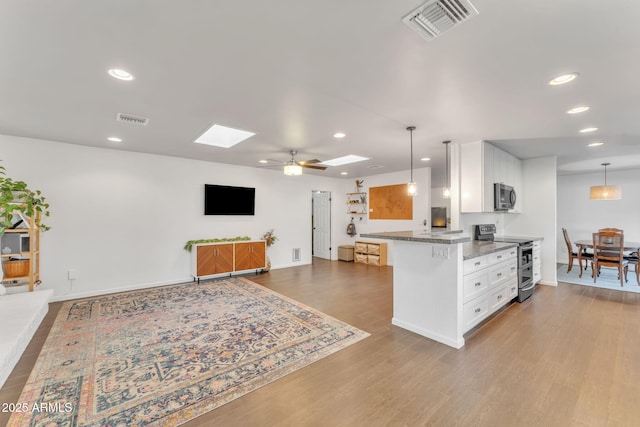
pixel 16 268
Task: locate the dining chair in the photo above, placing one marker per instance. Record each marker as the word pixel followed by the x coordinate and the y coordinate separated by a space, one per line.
pixel 632 258
pixel 586 256
pixel 608 251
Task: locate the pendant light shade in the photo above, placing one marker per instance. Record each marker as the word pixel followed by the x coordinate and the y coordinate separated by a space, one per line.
pixel 605 192
pixel 446 191
pixel 412 187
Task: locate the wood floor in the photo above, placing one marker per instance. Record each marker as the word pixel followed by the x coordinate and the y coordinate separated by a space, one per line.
pixel 568 356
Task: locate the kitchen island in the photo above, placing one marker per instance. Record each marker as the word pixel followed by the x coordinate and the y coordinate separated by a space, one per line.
pixel 444 283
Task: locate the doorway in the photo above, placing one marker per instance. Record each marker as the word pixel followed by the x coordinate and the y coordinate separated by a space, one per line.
pixel 321 224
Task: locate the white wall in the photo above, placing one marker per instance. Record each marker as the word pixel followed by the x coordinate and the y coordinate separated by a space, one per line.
pixel 421 208
pixel 538 217
pixel 121 219
pixel 582 216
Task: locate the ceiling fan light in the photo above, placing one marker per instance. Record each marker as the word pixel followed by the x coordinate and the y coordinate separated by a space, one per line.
pixel 292 170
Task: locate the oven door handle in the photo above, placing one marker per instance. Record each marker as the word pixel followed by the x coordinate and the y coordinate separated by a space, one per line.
pixel 528 288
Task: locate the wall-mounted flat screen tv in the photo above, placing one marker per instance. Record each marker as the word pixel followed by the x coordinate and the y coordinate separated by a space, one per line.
pixel 227 200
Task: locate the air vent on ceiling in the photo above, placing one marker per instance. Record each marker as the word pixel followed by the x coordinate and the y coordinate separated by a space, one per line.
pixel 435 17
pixel 134 120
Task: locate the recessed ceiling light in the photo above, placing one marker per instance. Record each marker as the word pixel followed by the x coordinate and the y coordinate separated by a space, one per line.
pixel 375 167
pixel 120 74
pixel 114 139
pixel 263 161
pixel 425 159
pixel 596 144
pixel 344 160
pixel 344 173
pixel 222 136
pixel 339 135
pixel 585 130
pixel 565 78
pixel 578 110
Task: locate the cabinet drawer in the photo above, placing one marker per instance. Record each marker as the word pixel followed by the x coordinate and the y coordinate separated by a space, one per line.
pixel 361 247
pixel 512 288
pixel 503 271
pixel 536 257
pixel 501 256
pixel 373 249
pixel 361 257
pixel 373 259
pixel 537 245
pixel 536 276
pixel 499 298
pixel 474 264
pixel 475 284
pixel 474 311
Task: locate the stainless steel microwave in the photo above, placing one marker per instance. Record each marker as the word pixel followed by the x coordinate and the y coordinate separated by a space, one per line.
pixel 505 197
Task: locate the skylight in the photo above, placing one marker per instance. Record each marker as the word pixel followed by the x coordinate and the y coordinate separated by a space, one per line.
pixel 345 160
pixel 222 136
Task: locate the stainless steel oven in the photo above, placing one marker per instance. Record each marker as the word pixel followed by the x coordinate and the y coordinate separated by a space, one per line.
pixel 525 270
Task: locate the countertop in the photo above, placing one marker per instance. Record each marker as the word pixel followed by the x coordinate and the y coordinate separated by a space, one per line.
pixel 424 236
pixel 509 236
pixel 476 248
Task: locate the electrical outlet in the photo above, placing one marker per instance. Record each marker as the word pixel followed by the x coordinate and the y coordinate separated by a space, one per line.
pixel 440 252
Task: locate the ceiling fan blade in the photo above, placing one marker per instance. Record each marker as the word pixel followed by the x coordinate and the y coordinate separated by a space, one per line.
pixel 280 162
pixel 313 167
pixel 306 162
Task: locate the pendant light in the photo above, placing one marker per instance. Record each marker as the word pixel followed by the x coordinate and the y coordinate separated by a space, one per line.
pixel 412 188
pixel 446 191
pixel 605 192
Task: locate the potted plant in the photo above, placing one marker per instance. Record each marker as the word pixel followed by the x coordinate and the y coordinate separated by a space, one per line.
pixel 16 198
pixel 270 238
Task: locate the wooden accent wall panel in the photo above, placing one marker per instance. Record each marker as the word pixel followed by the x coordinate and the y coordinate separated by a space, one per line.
pixel 390 202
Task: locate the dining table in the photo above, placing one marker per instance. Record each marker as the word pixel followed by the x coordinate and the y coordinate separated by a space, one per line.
pixel 586 244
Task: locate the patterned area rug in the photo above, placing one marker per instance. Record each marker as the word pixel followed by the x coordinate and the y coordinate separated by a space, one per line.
pixel 164 356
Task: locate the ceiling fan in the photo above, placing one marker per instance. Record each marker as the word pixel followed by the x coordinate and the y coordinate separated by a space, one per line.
pixel 295 168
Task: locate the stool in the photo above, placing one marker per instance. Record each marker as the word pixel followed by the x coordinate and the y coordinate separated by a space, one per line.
pixel 345 253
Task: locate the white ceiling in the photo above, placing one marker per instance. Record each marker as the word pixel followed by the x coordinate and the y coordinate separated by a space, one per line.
pixel 295 72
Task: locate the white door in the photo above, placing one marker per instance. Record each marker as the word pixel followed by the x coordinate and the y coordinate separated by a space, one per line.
pixel 321 223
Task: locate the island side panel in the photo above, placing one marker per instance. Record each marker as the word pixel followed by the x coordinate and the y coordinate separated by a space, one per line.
pixel 427 290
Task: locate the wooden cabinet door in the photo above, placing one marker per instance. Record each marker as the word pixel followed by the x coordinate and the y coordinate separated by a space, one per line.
pixel 224 259
pixel 250 255
pixel 214 259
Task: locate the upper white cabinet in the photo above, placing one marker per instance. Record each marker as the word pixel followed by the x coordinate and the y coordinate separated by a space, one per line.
pixel 482 165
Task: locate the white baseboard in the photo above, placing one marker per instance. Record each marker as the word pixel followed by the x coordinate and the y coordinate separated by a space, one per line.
pixel 429 334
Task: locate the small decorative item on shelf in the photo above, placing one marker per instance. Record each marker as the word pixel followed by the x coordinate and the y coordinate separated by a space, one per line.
pixel 270 238
pixel 359 183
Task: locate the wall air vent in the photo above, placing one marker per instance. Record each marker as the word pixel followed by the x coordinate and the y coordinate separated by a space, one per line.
pixel 134 120
pixel 435 17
